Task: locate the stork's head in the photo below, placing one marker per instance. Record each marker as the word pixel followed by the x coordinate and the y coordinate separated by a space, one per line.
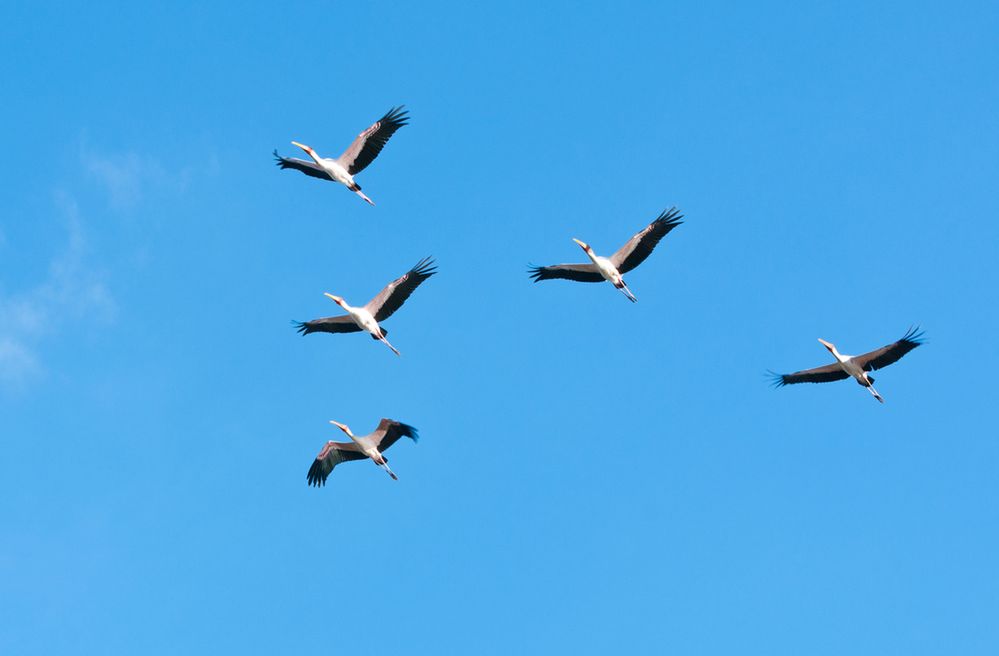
pixel 344 427
pixel 302 146
pixel 828 345
pixel 336 299
pixel 582 244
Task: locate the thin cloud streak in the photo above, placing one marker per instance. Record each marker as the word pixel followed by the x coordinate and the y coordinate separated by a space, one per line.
pixel 73 289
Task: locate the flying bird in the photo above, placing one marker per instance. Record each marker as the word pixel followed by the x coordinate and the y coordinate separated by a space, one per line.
pixel 856 366
pixel 359 448
pixel 378 309
pixel 614 267
pixel 355 159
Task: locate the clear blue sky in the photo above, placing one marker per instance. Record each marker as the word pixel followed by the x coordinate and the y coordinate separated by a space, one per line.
pixel 594 476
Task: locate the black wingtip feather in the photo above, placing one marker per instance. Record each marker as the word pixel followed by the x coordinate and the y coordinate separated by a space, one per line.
pixel 669 218
pixel 914 336
pixel 315 476
pixel 776 379
pixel 398 116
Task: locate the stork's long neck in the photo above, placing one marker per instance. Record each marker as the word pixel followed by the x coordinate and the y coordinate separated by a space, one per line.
pixel 314 155
pixel 590 254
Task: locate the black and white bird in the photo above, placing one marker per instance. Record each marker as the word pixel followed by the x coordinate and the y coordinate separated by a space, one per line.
pixel 613 268
pixel 855 366
pixel 370 446
pixel 362 152
pixel 380 308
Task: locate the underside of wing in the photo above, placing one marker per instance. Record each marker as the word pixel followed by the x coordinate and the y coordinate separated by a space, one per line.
pixel 341 324
pixel 891 353
pixel 825 374
pixel 306 167
pixel 332 454
pixel 641 245
pixel 389 432
pixel 396 292
pixel 577 272
pixel 369 143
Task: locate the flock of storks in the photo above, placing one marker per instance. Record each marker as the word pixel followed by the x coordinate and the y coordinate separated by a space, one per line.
pixel 368 318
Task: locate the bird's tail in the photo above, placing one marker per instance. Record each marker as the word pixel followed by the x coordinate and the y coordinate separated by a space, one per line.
pixel 382 338
pixel 627 292
pixel 356 188
pixel 389 471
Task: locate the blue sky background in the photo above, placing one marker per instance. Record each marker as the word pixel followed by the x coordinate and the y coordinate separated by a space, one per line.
pixel 594 476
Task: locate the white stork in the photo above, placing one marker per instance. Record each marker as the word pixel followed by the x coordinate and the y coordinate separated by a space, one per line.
pixel 614 267
pixel 856 366
pixel 359 448
pixel 378 309
pixel 362 152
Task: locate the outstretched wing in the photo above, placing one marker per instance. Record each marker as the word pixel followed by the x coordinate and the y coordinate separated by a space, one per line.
pixel 641 245
pixel 577 272
pixel 333 454
pixel 891 353
pixel 389 432
pixel 341 324
pixel 308 168
pixel 396 292
pixel 825 374
pixel 369 143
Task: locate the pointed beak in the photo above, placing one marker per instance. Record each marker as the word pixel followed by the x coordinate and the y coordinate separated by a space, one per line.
pixel 335 299
pixel 302 146
pixel 581 244
pixel 826 344
pixel 342 427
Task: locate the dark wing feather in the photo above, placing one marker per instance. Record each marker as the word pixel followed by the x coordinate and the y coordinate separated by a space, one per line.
pixel 825 374
pixel 369 143
pixel 641 245
pixel 308 168
pixel 396 292
pixel 389 432
pixel 341 324
pixel 891 353
pixel 577 272
pixel 333 454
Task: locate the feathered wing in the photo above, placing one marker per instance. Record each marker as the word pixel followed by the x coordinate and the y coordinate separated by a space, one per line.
pixel 389 432
pixel 306 167
pixel 396 292
pixel 369 143
pixel 639 247
pixel 891 353
pixel 577 272
pixel 825 374
pixel 341 324
pixel 333 454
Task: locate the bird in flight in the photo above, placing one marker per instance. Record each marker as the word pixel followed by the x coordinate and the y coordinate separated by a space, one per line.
pixel 614 267
pixel 856 366
pixel 370 446
pixel 380 308
pixel 362 152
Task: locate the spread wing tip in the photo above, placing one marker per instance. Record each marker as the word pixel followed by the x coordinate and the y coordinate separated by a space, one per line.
pixel 914 336
pixel 776 379
pixel 315 476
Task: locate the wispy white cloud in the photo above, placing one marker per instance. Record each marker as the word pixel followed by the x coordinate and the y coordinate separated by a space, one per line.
pixel 125 177
pixel 130 177
pixel 73 290
pixel 18 364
